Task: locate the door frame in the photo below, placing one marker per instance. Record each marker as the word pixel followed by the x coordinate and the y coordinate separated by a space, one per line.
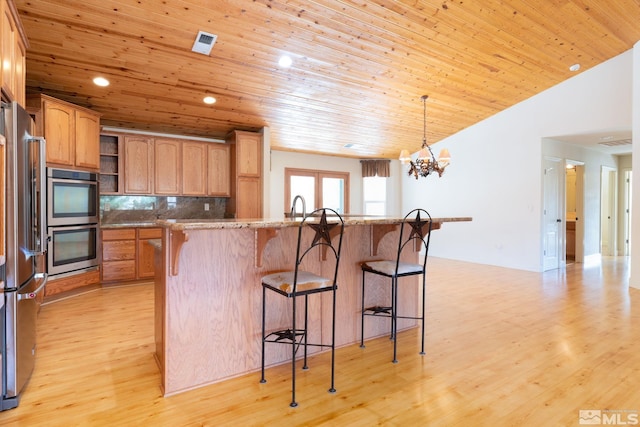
pixel 579 202
pixel 626 249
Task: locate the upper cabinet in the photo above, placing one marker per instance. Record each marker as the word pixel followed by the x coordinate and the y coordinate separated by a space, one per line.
pixel 59 124
pixel 138 164
pixel 194 168
pixel 87 137
pixel 248 153
pixel 14 46
pixel 72 132
pixel 164 166
pixel 246 175
pixel 167 166
pixel 218 173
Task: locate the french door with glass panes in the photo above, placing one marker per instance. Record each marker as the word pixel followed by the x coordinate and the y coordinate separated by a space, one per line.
pixel 320 189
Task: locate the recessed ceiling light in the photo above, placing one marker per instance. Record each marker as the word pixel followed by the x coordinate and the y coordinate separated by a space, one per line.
pixel 101 81
pixel 209 100
pixel 574 67
pixel 285 61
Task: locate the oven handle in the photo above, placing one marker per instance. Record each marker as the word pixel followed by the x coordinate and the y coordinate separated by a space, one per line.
pixel 32 295
pixel 41 241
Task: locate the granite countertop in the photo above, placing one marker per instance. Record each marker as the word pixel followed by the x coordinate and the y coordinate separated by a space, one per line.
pixel 130 224
pixel 200 224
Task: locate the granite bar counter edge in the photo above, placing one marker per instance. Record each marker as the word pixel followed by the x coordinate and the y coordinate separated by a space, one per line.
pixel 199 224
pixel 130 224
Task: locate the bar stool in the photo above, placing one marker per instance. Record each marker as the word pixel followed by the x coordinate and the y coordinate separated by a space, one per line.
pixel 415 233
pixel 315 234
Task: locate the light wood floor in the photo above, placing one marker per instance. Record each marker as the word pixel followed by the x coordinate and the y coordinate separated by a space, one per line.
pixel 504 348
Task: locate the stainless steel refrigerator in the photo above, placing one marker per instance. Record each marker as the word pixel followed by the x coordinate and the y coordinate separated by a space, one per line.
pixel 22 276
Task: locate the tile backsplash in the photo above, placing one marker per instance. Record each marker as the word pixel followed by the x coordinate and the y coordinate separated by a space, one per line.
pixel 119 209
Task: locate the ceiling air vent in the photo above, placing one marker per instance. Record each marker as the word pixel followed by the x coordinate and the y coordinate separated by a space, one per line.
pixel 204 42
pixel 617 143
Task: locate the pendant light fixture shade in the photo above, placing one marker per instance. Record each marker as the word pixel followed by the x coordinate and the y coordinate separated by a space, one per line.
pixel 425 162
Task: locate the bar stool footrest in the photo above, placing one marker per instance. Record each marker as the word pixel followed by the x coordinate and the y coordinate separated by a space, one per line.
pixel 285 336
pixel 377 310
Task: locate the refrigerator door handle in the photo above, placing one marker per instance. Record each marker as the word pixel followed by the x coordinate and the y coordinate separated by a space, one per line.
pixel 39 187
pixel 32 295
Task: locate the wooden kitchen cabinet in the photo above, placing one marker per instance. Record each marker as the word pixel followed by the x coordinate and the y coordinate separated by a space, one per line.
pixel 248 153
pixel 118 254
pixel 218 172
pixel 245 200
pixel 14 46
pixel 167 166
pixel 248 201
pixel 138 164
pixel 205 169
pixel 58 124
pixel 72 133
pixel 127 255
pixel 87 139
pixel 194 168
pixel 146 266
pixel 172 167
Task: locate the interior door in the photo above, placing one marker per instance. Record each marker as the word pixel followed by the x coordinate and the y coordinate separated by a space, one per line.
pixel 607 211
pixel 579 213
pixel 552 214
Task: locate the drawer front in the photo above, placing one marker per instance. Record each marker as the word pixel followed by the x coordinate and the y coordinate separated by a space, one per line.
pixel 118 270
pixel 149 233
pixel 119 234
pixel 119 250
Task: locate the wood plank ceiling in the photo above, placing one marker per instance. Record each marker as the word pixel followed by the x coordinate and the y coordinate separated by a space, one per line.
pixel 359 67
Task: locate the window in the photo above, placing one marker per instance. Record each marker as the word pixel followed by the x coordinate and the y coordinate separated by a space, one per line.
pixel 325 189
pixel 374 189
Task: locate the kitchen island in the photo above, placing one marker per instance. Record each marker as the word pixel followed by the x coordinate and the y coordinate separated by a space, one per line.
pixel 208 294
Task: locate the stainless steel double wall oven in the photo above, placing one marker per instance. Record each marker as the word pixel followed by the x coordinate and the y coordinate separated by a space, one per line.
pixel 72 220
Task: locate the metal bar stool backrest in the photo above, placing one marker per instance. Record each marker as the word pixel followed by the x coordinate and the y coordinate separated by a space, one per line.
pixel 415 231
pixel 323 222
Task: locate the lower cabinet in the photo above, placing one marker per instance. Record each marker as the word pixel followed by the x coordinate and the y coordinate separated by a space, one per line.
pixel 126 254
pixel 145 262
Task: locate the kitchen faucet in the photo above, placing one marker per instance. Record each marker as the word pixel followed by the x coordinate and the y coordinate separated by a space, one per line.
pixel 293 206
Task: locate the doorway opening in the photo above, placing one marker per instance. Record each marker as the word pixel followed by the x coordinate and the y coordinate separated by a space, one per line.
pixel 574 211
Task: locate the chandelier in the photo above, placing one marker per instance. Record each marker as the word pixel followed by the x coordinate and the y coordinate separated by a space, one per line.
pixel 426 163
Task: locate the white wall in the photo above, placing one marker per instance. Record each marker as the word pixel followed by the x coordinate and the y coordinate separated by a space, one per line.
pixel 279 160
pixel 634 279
pixel 496 170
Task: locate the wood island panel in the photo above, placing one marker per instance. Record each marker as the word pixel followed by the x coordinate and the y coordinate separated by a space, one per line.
pixel 210 311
